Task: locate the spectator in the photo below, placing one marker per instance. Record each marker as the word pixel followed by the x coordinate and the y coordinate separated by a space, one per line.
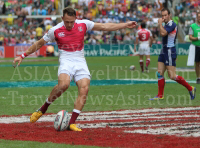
pixel 100 19
pixel 48 26
pixel 133 6
pixel 47 21
pixel 114 40
pixel 32 39
pixel 41 11
pixel 33 11
pixel 107 20
pixel 13 40
pixel 142 2
pixel 139 7
pixel 150 22
pixel 1 40
pixel 92 40
pixel 179 8
pixel 144 9
pixel 28 8
pixel 110 11
pixel 127 37
pixel 39 32
pixel 10 20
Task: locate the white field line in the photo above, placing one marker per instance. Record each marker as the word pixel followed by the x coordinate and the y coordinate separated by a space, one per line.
pixel 153 119
pixel 186 131
pixel 50 118
pixel 143 111
pixel 153 80
pixel 123 124
pixel 179 69
pixel 112 115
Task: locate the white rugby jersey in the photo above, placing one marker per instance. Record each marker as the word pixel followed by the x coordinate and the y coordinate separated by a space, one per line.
pixel 70 42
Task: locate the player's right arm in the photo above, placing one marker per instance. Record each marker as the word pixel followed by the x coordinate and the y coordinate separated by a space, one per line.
pixel 37 45
pixel 48 37
pixel 151 39
pixel 136 43
pixel 191 33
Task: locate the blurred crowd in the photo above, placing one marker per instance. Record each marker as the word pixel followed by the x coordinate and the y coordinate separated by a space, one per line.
pixel 186 13
pixel 24 30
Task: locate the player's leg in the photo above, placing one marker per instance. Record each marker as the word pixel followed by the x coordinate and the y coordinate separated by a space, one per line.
pixel 160 75
pixel 161 79
pixel 171 68
pixel 83 88
pixel 141 53
pixel 172 74
pixel 141 63
pixel 197 63
pixel 82 79
pixel 147 63
pixel 63 84
pixel 147 53
pixel 197 69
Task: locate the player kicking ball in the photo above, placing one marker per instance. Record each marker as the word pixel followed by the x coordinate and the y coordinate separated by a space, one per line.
pixel 167 57
pixel 69 35
pixel 145 39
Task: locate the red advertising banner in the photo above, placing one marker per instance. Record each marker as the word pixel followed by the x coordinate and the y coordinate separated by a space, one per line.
pixel 19 50
pixel 14 51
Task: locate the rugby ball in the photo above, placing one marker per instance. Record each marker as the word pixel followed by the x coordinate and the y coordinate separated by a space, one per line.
pixel 61 120
pixel 132 67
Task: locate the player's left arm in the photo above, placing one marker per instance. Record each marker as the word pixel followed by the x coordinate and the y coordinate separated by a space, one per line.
pixel 136 43
pixel 168 28
pixel 151 39
pixel 113 26
pixel 163 32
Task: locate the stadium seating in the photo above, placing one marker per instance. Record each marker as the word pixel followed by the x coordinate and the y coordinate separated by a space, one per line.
pixel 111 11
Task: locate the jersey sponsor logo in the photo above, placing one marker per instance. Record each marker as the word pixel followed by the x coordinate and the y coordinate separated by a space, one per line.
pixel 80 28
pixel 61 34
pixel 170 23
pixel 166 62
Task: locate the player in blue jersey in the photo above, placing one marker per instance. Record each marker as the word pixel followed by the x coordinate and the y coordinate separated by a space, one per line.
pixel 167 57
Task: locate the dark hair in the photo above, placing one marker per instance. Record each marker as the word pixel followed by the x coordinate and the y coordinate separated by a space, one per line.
pixel 143 25
pixel 166 9
pixel 69 11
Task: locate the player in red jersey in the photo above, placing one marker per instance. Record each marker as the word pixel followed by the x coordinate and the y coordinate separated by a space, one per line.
pixel 69 35
pixel 145 39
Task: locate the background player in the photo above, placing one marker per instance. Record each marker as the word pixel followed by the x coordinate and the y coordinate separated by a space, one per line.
pixel 145 39
pixel 194 33
pixel 167 57
pixel 69 35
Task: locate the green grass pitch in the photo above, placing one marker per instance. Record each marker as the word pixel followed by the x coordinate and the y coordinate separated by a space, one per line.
pixel 16 101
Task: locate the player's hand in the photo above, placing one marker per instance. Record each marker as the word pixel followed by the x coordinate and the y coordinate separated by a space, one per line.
pixel 160 20
pixel 131 24
pixel 17 60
